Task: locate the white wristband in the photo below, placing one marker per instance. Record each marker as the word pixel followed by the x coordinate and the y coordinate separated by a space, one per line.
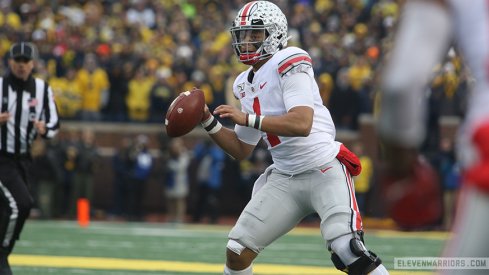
pixel 259 124
pixel 211 125
pixel 250 120
pixel 208 121
pixel 254 121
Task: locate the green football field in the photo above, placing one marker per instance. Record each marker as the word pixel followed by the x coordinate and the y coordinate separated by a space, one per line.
pixel 62 247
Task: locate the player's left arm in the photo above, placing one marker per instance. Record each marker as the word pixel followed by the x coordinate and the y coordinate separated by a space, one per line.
pixel 298 100
pixel 296 122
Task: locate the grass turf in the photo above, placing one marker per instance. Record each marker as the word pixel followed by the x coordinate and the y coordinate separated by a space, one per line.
pixel 62 247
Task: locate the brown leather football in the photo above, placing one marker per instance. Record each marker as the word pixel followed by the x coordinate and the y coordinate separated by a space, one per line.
pixel 184 113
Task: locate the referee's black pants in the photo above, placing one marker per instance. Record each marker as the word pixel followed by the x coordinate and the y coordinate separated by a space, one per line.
pixel 15 199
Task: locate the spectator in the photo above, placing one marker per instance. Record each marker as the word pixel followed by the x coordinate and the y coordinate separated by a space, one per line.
pixel 86 163
pixel 209 176
pixel 161 96
pixel 94 84
pixel 139 94
pixel 45 178
pixel 177 181
pixel 141 165
pixel 69 159
pixel 68 94
pixel 344 103
pixel 359 73
pixel 121 165
pixel 449 172
pixel 325 82
pixel 119 74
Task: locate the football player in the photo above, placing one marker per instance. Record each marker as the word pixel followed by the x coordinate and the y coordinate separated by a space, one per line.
pixel 424 36
pixel 311 173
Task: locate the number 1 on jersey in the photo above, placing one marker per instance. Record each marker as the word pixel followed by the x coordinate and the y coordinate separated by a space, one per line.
pixel 273 140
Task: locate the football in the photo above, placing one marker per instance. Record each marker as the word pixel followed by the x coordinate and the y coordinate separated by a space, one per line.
pixel 184 113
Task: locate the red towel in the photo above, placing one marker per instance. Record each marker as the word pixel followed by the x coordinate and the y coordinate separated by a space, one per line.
pixel 350 160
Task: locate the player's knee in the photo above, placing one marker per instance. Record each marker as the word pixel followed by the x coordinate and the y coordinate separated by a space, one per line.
pixel 238 257
pixel 237 261
pixel 349 254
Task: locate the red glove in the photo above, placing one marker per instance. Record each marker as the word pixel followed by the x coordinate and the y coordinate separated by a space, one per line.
pixel 350 160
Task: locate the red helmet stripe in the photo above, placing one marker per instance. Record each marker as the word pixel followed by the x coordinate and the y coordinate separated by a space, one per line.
pixel 246 9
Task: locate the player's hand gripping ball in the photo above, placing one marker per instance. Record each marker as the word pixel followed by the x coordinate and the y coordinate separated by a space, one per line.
pixel 184 113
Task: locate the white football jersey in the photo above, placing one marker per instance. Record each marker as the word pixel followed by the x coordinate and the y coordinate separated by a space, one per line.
pixel 265 96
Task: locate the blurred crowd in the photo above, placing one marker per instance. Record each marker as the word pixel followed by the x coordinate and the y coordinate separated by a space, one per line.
pixel 127 60
pixel 184 180
pixel 65 170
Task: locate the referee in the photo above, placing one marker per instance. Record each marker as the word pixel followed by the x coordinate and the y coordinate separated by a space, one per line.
pixel 27 109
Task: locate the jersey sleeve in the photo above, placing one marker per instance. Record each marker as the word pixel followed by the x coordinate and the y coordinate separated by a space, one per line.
pixel 297 91
pixel 247 134
pixel 296 78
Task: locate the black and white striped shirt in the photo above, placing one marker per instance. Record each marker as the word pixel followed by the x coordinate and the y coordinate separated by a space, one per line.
pixel 26 101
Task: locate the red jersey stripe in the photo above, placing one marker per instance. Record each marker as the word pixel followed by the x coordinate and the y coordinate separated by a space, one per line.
pixel 272 139
pixel 296 60
pixel 256 106
pixel 354 205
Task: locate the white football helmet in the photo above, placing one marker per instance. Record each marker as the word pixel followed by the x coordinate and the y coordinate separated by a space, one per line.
pixel 259 16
